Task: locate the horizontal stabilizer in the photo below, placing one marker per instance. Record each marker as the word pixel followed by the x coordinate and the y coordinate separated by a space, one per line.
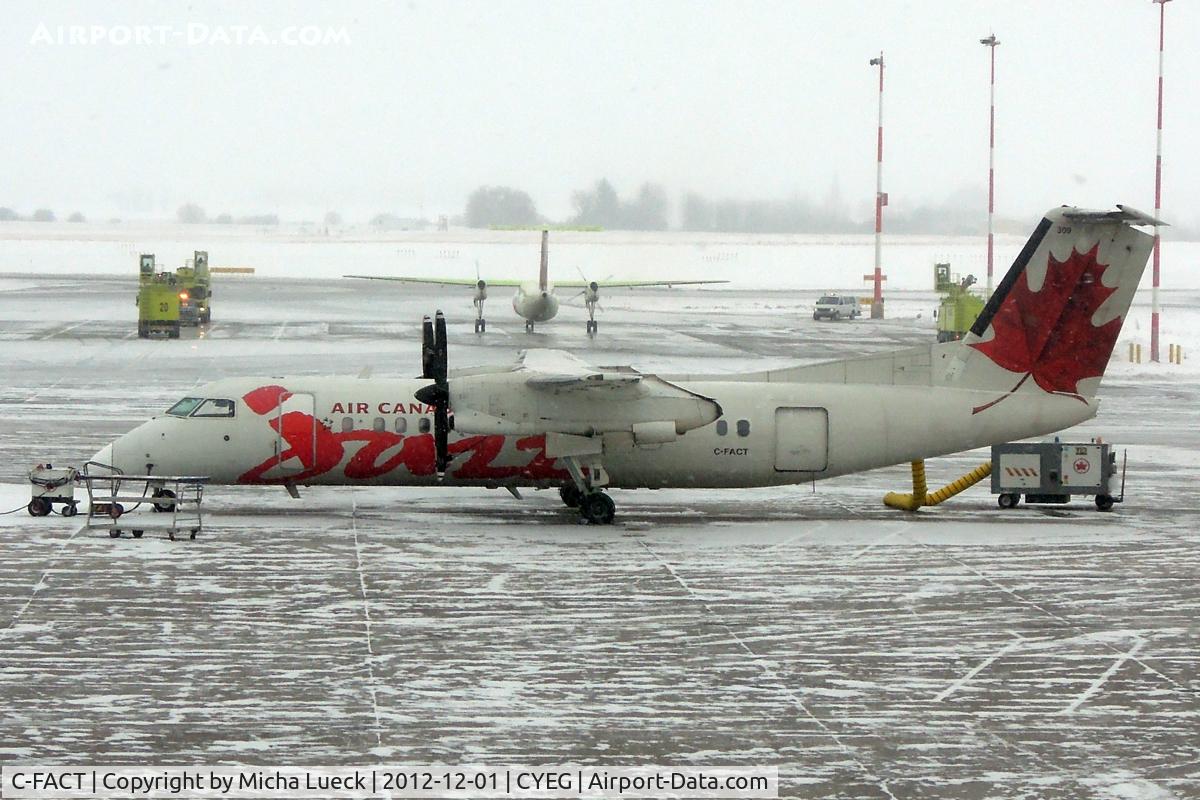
pixel 1127 214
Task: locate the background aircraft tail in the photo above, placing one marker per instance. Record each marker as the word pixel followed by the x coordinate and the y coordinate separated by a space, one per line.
pixel 1055 317
pixel 544 274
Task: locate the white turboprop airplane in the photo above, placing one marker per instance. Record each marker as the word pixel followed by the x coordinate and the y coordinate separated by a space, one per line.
pixel 536 302
pixel 1030 365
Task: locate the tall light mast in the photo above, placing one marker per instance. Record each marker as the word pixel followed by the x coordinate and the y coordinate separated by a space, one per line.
pixel 880 202
pixel 1162 8
pixel 991 42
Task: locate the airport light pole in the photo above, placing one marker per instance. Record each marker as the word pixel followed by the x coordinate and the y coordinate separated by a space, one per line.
pixel 880 202
pixel 1162 9
pixel 991 42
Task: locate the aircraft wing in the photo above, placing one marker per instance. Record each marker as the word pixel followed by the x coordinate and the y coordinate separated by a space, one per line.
pixel 438 281
pixel 558 369
pixel 553 392
pixel 628 284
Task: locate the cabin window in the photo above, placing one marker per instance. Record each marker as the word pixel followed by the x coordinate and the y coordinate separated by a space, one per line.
pixel 401 424
pixel 378 425
pixel 722 427
pixel 743 427
pixel 347 424
pixel 185 406
pixel 215 408
pixel 424 425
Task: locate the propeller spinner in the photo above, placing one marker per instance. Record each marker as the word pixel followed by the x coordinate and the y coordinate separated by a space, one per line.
pixel 437 394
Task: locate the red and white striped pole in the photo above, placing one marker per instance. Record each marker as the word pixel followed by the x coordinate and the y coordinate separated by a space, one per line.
pixel 880 202
pixel 1162 8
pixel 991 43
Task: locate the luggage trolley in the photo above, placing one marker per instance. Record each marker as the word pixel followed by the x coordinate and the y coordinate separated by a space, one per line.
pixel 179 496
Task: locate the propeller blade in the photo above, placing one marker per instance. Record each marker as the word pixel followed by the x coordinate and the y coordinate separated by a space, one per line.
pixel 440 366
pixel 426 347
pixel 441 437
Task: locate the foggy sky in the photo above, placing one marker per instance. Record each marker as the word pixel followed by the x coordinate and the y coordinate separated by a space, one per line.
pixel 428 100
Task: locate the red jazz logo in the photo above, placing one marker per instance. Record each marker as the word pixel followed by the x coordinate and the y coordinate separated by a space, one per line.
pixel 319 450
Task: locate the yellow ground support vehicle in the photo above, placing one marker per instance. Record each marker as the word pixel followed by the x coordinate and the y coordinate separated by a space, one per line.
pixel 157 301
pixel 196 289
pixel 959 307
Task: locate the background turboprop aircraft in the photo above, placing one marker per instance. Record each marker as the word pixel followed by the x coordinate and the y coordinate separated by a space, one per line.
pixel 536 302
pixel 1030 365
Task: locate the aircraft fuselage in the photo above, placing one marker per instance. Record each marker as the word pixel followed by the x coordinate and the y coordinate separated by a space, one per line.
pixel 535 304
pixel 337 431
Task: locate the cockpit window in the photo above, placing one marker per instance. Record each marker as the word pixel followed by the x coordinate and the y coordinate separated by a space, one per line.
pixel 214 408
pixel 185 406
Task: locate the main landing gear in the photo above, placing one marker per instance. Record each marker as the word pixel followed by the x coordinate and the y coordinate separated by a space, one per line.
pixel 585 492
pixel 595 507
pixel 528 326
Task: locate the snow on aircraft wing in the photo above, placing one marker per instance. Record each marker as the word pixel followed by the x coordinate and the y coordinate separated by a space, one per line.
pixel 558 369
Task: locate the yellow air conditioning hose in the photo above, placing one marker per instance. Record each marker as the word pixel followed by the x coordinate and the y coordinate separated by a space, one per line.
pixel 918 498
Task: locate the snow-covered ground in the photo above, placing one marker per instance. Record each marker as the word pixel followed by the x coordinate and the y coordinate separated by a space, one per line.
pixel 963 651
pixel 750 261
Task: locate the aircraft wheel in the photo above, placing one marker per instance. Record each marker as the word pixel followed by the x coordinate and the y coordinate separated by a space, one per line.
pixel 164 507
pixel 528 326
pixel 1008 500
pixel 1104 502
pixel 192 534
pixel 70 510
pixel 597 508
pixel 114 534
pixel 38 507
pixel 137 534
pixel 570 494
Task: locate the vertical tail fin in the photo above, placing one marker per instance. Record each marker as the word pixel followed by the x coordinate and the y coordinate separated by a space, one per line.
pixel 1056 315
pixel 544 275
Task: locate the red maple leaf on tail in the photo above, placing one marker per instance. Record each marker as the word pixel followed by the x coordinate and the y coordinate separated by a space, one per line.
pixel 1049 334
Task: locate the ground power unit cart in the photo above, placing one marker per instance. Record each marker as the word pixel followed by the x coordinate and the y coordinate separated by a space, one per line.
pixel 1051 472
